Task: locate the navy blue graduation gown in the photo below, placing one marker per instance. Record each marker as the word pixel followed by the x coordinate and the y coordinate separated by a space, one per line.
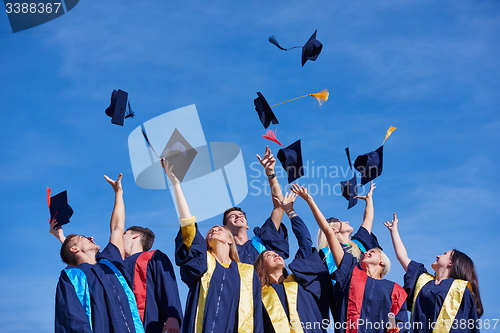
pixel 373 302
pixel 272 239
pixel 221 308
pixel 430 300
pixel 160 297
pixel 109 305
pixel 314 284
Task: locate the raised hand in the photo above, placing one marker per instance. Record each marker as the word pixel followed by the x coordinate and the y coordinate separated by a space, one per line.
pixel 58 233
pixel 287 202
pixel 168 171
pixel 369 194
pixel 268 162
pixel 393 225
pixel 301 191
pixel 116 184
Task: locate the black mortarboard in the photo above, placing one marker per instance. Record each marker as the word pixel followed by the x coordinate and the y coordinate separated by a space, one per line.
pixel 266 115
pixel 179 153
pixel 349 191
pixel 60 209
pixel 350 187
pixel 291 160
pixel 311 49
pixel 117 109
pixel 370 165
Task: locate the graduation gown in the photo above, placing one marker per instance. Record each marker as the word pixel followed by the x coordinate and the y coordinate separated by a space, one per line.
pixel 93 298
pixel 266 238
pixel 364 300
pixel 364 239
pixel 221 307
pixel 155 289
pixel 427 304
pixel 306 308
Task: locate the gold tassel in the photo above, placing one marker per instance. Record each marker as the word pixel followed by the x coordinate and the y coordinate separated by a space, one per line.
pixel 321 97
pixel 389 132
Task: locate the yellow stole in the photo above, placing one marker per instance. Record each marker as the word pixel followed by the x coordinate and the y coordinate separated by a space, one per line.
pixel 245 306
pixel 274 308
pixel 451 303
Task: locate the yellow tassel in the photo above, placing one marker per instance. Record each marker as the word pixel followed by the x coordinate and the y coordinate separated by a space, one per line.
pixel 389 132
pixel 321 97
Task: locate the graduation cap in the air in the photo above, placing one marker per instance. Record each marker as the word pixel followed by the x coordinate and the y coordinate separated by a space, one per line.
pixel 179 153
pixel 117 109
pixel 266 114
pixel 310 50
pixel 59 207
pixel 350 187
pixel 370 164
pixel 291 160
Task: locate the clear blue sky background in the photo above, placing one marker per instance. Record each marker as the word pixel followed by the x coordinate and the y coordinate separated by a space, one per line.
pixel 430 68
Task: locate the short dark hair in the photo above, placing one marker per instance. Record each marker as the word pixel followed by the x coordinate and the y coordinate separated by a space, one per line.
pixel 67 256
pixel 229 210
pixel 147 236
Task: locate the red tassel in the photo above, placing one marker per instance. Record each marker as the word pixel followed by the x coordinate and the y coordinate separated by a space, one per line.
pixel 48 196
pixel 271 135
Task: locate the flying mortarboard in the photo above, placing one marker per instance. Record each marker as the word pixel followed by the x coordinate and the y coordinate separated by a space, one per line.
pixel 370 164
pixel 350 187
pixel 310 51
pixel 350 191
pixel 266 114
pixel 179 153
pixel 59 207
pixel 291 160
pixel 117 109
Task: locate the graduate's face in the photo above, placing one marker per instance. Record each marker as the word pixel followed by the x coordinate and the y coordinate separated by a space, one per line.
pixel 443 260
pixel 342 227
pixel 220 234
pixel 236 219
pixel 85 244
pixel 372 257
pixel 272 260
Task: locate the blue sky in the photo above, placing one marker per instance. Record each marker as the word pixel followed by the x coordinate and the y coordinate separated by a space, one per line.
pixel 430 68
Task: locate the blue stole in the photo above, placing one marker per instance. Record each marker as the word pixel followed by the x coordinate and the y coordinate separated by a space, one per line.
pixel 258 244
pixel 79 281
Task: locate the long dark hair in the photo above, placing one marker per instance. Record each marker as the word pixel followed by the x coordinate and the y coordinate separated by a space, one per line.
pixel 261 269
pixel 462 267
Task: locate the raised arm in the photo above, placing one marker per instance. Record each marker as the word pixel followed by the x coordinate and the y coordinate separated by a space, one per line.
pixel 57 233
pixel 269 162
pixel 299 228
pixel 117 221
pixel 335 247
pixel 369 210
pixel 188 228
pixel 180 200
pixel 399 247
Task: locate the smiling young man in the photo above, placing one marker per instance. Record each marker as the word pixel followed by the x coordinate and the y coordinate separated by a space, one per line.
pixel 273 235
pixel 93 294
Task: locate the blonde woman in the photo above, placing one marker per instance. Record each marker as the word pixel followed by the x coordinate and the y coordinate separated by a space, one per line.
pixel 224 294
pixel 363 298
